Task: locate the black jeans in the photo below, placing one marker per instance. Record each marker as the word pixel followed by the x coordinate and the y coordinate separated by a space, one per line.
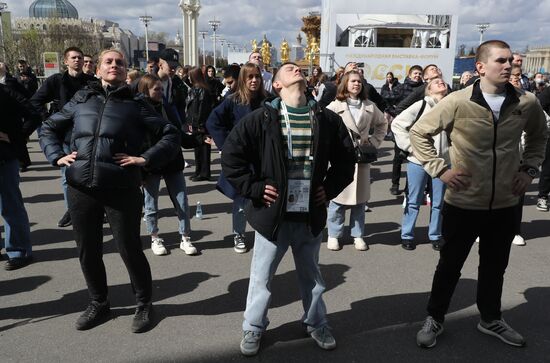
pixel 496 230
pixel 202 160
pixel 123 208
pixel 544 179
pixel 396 168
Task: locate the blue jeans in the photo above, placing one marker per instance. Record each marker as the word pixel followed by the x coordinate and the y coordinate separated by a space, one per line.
pixel 17 240
pixel 175 183
pixel 265 259
pixel 417 179
pixel 239 219
pixel 337 214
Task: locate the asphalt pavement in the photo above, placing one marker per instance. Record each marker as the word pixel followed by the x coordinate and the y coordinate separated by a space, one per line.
pixel 375 299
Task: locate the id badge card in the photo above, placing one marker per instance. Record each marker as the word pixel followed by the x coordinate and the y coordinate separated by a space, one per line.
pixel 297 199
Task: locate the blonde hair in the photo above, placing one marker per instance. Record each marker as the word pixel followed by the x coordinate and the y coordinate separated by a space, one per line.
pixel 105 51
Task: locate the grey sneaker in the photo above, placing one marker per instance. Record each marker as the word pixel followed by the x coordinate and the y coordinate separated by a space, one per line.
pixel 503 331
pixel 250 344
pixel 426 337
pixel 240 246
pixel 542 204
pixel 323 337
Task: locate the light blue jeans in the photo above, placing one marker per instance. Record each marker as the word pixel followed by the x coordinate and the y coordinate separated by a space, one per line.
pixel 175 183
pixel 265 259
pixel 417 179
pixel 239 219
pixel 17 240
pixel 337 214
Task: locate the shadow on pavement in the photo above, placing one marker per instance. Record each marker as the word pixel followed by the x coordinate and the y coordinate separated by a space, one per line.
pixel 119 296
pixel 23 284
pixel 383 329
pixel 284 290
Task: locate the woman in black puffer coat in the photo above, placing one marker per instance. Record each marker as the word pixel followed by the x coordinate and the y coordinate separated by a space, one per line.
pixel 109 127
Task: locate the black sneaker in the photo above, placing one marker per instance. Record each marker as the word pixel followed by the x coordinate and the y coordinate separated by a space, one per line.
pixel 394 190
pixel 408 244
pixel 239 244
pixel 17 263
pixel 437 244
pixel 503 331
pixel 142 318
pixel 96 313
pixel 65 221
pixel 427 336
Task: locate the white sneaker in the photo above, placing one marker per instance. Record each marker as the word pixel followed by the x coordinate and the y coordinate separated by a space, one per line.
pixel 332 244
pixel 187 246
pixel 360 244
pixel 157 246
pixel 518 240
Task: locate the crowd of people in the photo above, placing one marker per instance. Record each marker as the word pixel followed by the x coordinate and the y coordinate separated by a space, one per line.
pixel 295 155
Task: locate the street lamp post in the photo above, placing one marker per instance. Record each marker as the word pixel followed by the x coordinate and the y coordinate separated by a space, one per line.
pixel 3 6
pixel 146 19
pixel 481 27
pixel 203 33
pixel 214 24
pixel 222 42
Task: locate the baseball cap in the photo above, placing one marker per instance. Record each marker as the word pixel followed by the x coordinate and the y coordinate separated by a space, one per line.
pixel 171 57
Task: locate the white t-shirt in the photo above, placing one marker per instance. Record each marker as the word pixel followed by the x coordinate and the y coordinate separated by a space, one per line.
pixel 495 100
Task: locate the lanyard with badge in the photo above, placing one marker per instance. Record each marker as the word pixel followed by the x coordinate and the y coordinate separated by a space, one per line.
pixel 297 198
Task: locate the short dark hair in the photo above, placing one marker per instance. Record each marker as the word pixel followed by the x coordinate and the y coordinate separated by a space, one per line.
pixel 482 53
pixel 275 78
pixel 89 56
pixel 426 68
pixel 416 67
pixel 231 71
pixel 72 49
pixel 22 61
pixel 342 92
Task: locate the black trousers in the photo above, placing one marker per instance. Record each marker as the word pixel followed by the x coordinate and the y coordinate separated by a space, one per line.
pixel 396 167
pixel 496 230
pixel 202 160
pixel 544 179
pixel 123 208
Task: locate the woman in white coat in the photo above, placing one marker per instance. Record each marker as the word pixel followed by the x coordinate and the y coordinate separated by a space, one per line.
pixel 417 178
pixel 359 116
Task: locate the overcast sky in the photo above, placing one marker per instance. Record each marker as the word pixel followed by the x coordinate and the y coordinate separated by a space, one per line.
pixel 519 23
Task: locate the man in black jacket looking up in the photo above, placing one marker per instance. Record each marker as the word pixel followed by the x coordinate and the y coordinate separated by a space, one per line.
pixel 59 89
pixel 278 158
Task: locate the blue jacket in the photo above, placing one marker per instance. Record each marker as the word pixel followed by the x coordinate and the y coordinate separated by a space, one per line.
pixel 220 123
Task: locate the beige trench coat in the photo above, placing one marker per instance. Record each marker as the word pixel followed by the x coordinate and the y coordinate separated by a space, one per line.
pixel 371 117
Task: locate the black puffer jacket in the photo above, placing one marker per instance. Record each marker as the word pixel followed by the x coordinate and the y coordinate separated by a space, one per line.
pixel 102 126
pixel 254 155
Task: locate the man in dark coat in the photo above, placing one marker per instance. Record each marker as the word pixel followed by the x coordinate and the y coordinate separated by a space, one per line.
pixel 278 158
pixel 59 89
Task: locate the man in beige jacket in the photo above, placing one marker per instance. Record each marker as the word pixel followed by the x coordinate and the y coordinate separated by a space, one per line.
pixel 485 180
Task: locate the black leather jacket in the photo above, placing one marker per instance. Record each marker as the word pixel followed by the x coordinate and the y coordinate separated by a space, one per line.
pixel 105 123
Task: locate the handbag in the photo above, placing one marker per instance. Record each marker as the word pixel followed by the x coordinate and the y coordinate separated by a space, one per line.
pixel 364 153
